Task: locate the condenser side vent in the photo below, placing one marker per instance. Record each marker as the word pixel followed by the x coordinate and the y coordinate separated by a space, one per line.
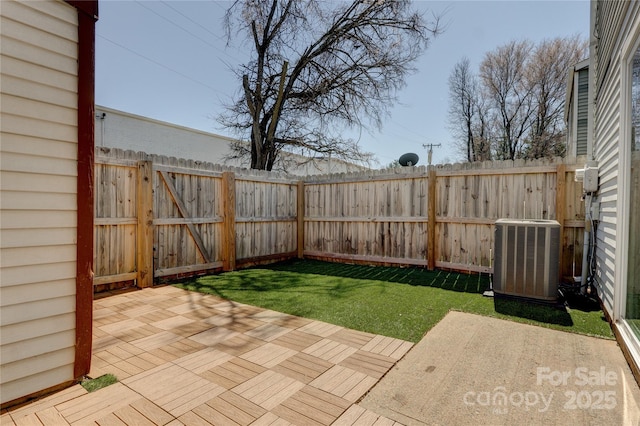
pixel 527 258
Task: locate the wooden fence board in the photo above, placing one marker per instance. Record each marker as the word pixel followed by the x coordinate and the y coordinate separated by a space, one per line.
pixel 300 212
pixel 116 220
pixel 265 217
pixel 144 248
pixel 228 232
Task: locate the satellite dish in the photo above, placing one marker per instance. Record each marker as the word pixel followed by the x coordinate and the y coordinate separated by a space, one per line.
pixel 408 159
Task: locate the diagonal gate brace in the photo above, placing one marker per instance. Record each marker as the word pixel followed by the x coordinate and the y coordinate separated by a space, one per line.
pixel 185 214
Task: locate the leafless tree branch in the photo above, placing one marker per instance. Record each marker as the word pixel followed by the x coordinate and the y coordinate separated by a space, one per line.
pixel 516 106
pixel 345 63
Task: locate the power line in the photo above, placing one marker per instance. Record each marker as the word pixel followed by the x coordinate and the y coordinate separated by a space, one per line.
pixel 175 24
pixel 407 129
pixel 191 20
pixel 187 30
pixel 216 2
pixel 153 61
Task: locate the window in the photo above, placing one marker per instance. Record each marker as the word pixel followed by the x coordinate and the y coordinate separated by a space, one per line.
pixel 633 272
pixel 635 102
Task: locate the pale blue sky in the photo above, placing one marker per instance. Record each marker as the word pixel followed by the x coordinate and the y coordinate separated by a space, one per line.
pixel 168 60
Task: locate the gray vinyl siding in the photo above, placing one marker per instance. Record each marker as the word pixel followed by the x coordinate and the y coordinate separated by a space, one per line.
pixel 610 16
pixel 38 187
pixel 582 116
pixel 607 133
pixel 613 25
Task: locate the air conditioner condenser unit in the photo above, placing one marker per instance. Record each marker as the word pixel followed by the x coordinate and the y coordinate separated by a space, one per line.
pixel 527 258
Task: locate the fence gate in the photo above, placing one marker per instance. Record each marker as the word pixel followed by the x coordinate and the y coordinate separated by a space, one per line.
pixel 188 220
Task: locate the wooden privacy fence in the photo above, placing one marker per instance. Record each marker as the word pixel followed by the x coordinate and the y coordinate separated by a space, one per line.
pixel 382 218
pixel 440 216
pixel 160 217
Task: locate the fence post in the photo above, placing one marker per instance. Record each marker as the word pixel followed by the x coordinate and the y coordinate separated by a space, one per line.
pixel 431 217
pixel 560 211
pixel 144 209
pixel 229 222
pixel 300 217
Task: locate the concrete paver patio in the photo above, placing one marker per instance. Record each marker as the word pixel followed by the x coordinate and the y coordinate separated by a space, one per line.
pixel 185 358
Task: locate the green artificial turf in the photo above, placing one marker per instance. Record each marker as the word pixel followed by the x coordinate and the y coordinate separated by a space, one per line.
pixel 398 302
pixel 92 385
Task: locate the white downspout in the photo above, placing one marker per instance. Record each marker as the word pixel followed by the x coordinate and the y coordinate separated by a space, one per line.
pixel 586 244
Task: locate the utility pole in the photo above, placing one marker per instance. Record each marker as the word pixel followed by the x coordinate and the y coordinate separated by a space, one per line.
pixel 430 147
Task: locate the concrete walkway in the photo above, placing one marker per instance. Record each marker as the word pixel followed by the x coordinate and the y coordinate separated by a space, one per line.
pixel 473 370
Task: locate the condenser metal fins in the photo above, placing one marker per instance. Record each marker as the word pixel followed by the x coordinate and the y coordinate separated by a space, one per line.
pixel 527 258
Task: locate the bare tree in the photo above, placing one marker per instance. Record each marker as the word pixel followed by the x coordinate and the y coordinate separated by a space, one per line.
pixel 468 112
pixel 317 68
pixel 548 67
pixel 515 109
pixel 395 164
pixel 482 131
pixel 462 102
pixel 503 73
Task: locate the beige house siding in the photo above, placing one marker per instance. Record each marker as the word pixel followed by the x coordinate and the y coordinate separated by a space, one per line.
pixel 38 186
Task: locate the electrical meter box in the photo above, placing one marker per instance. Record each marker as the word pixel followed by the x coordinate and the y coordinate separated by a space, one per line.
pixel 590 182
